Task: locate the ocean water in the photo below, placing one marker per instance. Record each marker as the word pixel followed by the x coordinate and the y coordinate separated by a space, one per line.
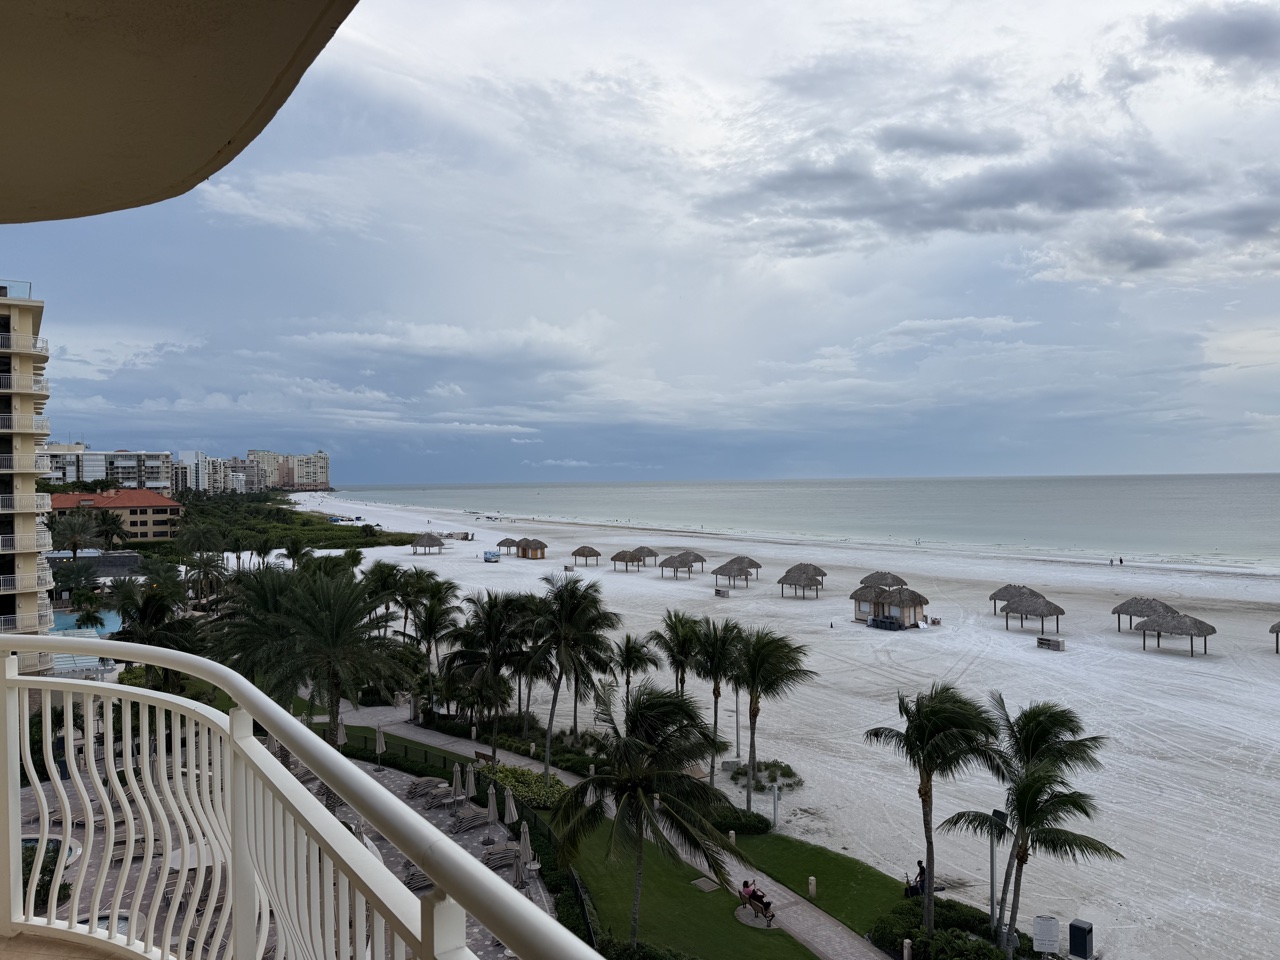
pixel 1227 519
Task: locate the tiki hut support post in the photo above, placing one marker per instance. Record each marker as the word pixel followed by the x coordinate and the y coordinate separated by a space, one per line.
pixel 1275 628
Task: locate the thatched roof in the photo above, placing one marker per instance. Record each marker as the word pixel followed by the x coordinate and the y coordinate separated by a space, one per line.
pixel 1178 624
pixel 625 556
pixel 865 592
pixel 1275 628
pixel 645 552
pixel 508 542
pixel 585 551
pixel 523 542
pixel 800 578
pixel 428 540
pixel 1011 591
pixel 882 578
pixel 733 568
pixel 747 562
pixel 534 544
pixel 809 568
pixel 1142 607
pixel 903 597
pixel 1029 605
pixel 692 555
pixel 680 561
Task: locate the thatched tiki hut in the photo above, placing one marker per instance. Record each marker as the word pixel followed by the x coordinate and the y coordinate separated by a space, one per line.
pixel 507 544
pixel 1177 624
pixel 531 549
pixel 902 602
pixel 626 558
pixel 694 557
pixel 644 554
pixel 677 563
pixel 810 569
pixel 1141 607
pixel 428 542
pixel 1032 606
pixel 1011 591
pixel 882 578
pixel 748 563
pixel 1275 628
pixel 586 553
pixel 802 580
pixel 734 569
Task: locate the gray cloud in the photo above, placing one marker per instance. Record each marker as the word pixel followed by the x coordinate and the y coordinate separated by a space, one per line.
pixel 947 140
pixel 1229 34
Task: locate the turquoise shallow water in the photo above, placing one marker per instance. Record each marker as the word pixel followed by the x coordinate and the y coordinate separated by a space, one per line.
pixel 67 621
pixel 1224 518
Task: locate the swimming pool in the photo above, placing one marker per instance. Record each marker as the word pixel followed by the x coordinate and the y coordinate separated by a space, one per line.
pixel 66 620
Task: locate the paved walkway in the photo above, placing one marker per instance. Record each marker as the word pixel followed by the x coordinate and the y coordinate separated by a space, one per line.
pixel 825 936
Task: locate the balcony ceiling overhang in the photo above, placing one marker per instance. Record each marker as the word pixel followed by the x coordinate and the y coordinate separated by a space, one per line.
pixel 110 104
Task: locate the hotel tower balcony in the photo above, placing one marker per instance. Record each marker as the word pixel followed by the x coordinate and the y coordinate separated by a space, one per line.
pixel 179 834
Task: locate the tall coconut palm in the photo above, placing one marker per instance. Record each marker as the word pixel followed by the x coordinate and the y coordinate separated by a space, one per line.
pixel 202 538
pixel 382 580
pixel 111 529
pixel 945 733
pixel 484 644
pixel 353 556
pixel 154 620
pixel 75 575
pixel 632 656
pixel 676 640
pixel 75 531
pixel 1044 737
pixel 236 544
pixel 121 592
pixel 164 578
pixel 205 574
pixel 716 658
pixel 770 666
pixel 571 624
pixel 641 779
pixel 433 623
pixel 295 551
pixel 412 588
pixel 262 548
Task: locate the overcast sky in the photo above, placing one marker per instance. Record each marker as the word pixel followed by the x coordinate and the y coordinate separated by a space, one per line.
pixel 499 241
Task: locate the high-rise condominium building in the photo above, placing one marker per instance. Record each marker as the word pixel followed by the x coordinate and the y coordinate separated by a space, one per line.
pixel 24 572
pixel 293 471
pixel 127 469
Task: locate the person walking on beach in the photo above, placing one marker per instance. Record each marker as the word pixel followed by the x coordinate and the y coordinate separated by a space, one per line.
pixel 1113 561
pixel 1122 561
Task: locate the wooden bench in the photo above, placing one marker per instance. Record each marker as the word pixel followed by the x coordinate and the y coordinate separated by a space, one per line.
pixel 758 908
pixel 1051 643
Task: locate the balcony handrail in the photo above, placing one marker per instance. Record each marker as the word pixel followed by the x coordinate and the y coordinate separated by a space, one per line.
pixel 516 921
pixel 23 343
pixel 23 383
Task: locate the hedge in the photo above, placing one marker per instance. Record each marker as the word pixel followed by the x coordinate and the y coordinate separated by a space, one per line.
pixel 528 786
pixel 957 920
pixel 744 824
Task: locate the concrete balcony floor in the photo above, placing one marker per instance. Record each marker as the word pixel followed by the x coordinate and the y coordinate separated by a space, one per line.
pixel 27 946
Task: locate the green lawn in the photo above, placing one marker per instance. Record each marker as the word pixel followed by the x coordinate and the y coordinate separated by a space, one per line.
pixel 673 912
pixel 848 889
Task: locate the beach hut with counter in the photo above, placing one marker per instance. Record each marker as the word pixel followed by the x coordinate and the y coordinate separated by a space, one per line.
pixel 677 563
pixel 586 553
pixel 626 558
pixel 735 570
pixel 428 542
pixel 1029 605
pixel 507 544
pixel 1140 607
pixel 801 580
pixel 645 554
pixel 530 548
pixel 1178 625
pixel 1011 591
pixel 900 602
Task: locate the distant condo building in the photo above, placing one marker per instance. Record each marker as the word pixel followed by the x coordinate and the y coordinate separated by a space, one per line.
pixel 294 471
pixel 125 469
pixel 25 579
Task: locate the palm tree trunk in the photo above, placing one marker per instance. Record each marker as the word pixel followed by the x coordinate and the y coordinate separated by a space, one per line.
pixel 575 710
pixel 528 701
pixel 1011 940
pixel 331 737
pixel 926 810
pixel 635 899
pixel 753 715
pixel 715 730
pixel 1004 890
pixel 551 722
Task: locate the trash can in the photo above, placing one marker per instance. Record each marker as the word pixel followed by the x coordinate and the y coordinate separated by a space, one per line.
pixel 1080 940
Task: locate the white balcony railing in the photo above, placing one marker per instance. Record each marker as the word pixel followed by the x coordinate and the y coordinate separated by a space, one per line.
pixel 18 343
pixel 27 543
pixel 24 424
pixel 42 619
pixel 24 463
pixel 21 384
pixel 195 842
pixel 41 580
pixel 26 503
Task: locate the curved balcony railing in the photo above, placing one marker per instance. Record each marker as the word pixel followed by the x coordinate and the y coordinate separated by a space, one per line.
pixel 33 662
pixel 27 542
pixel 238 859
pixel 27 582
pixel 18 343
pixel 24 424
pixel 22 384
pixel 24 463
pixel 42 619
pixel 26 503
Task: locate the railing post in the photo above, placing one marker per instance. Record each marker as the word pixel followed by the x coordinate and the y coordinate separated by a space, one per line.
pixel 11 828
pixel 244 897
pixel 444 925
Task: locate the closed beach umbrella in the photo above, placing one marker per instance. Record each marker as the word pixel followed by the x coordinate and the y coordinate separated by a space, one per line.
pixel 491 814
pixel 471 779
pixel 510 815
pixel 519 876
pixel 342 732
pixel 457 781
pixel 379 746
pixel 526 848
pixel 272 744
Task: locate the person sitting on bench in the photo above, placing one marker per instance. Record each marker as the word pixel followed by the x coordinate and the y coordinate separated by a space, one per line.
pixel 750 891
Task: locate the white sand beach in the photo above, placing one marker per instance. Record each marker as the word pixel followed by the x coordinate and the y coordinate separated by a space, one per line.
pixel 1190 792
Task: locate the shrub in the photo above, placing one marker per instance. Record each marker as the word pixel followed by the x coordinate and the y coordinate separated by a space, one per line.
pixel 906 922
pixel 612 949
pixel 745 824
pixel 528 786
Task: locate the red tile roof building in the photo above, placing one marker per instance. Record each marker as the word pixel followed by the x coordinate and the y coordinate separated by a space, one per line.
pixel 146 514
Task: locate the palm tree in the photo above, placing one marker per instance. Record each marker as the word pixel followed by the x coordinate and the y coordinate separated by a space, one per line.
pixel 205 574
pixel 353 556
pixel 641 778
pixel 676 641
pixel 632 655
pixel 111 529
pixel 121 592
pixel 262 548
pixel 382 580
pixel 770 666
pixel 412 588
pixel 254 611
pixel 1044 739
pixel 75 531
pixel 202 538
pixel 153 619
pixel 433 622
pixel 164 578
pixel 74 576
pixel 295 551
pixel 715 659
pixel 571 623
pixel 236 544
pixel 485 641
pixel 945 734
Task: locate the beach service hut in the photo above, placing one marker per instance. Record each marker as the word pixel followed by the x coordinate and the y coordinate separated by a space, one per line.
pixel 1029 605
pixel 645 554
pixel 428 542
pixel 507 544
pixel 677 563
pixel 800 579
pixel 626 558
pixel 734 569
pixel 1178 624
pixel 1139 607
pixel 531 549
pixel 586 553
pixel 1011 591
pixel 902 603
